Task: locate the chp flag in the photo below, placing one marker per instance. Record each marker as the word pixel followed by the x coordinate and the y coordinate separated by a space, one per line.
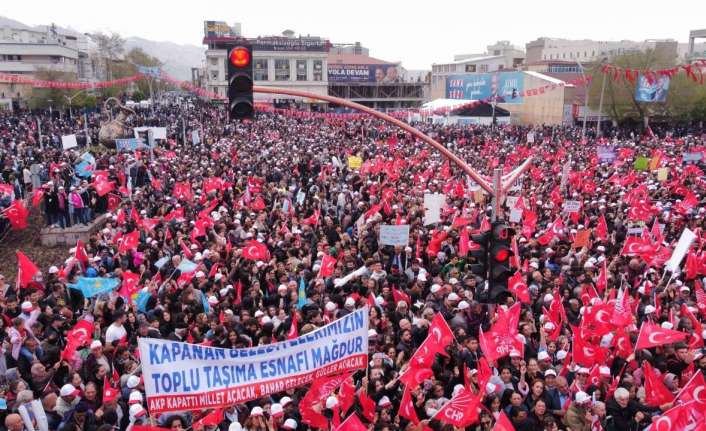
pixel 183 376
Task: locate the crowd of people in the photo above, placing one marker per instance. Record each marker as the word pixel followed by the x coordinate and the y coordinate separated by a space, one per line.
pixel 284 182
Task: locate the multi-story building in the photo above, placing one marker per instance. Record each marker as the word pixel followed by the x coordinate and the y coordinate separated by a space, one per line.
pixel 499 56
pixel 26 50
pixel 586 50
pixel 285 61
pixel 694 51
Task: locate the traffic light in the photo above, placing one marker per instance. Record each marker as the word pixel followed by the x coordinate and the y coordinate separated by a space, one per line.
pixel 478 261
pixel 499 253
pixel 240 81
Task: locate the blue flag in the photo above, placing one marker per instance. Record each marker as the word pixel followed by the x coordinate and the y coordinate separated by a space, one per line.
pixel 301 294
pixel 187 266
pixel 92 286
pixel 204 300
pixel 84 169
pixel 142 297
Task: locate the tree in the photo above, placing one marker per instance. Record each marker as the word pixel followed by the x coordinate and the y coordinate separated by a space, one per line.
pixel 43 98
pixel 619 98
pixel 110 47
pixel 137 57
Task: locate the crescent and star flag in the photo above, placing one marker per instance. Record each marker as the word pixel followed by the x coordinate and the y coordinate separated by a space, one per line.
pixel 352 423
pixel 26 269
pixel 17 215
pixel 328 264
pixel 652 335
pixel 407 410
pixel 694 390
pixel 656 393
pixel 78 336
pixel 255 250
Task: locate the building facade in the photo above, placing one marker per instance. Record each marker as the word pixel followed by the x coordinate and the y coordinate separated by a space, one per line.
pixel 278 61
pixel 26 50
pixel 586 50
pixel 499 56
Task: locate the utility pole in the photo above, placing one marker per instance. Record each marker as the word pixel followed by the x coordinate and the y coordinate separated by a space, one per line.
pixel 600 105
pixel 85 128
pixel 497 194
pixel 585 101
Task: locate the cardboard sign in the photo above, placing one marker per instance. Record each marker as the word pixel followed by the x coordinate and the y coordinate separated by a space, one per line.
pixel 511 201
pixel 394 234
pixel 572 206
pixel 515 215
pixel 606 154
pixel 433 202
pixel 583 238
pixel 641 163
pixel 68 142
pixel 691 157
pixel 685 240
pixel 355 162
pixel 662 174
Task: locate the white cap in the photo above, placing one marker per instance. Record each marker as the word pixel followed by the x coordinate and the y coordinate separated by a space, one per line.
pixel 276 409
pixel 561 355
pixel 667 325
pixel 550 372
pixel 135 398
pixel 463 305
pixel 515 354
pixel 453 297
pixel 212 300
pixel 453 281
pixel 583 370
pixel 372 333
pixel 548 297
pixel 649 309
pixel 53 270
pixel 331 402
pixel 289 424
pixel 136 411
pixel 605 371
pixel 67 390
pixel 96 344
pixel 284 401
pixel 235 426
pixel 330 306
pixel 259 314
pixel 27 306
pixel 384 401
pixel 200 274
pixel 256 411
pixel 435 288
pixel 350 302
pixel 582 397
pixel 543 355
pixel 133 381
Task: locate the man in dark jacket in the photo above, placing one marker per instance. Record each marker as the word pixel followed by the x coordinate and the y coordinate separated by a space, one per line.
pixel 623 414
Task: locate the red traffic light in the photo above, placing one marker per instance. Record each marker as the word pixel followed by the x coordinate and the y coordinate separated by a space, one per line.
pixel 239 56
pixel 502 255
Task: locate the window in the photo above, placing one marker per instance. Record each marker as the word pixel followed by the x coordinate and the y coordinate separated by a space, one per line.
pixel 260 71
pixel 496 52
pixel 282 70
pixel 214 61
pixel 214 75
pixel 318 70
pixel 301 70
pixel 483 67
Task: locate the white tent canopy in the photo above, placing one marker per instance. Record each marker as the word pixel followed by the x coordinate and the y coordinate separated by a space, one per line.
pixel 446 103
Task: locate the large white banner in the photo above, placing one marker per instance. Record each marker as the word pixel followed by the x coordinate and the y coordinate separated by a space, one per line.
pixel 182 376
pixel 433 203
pixel 394 234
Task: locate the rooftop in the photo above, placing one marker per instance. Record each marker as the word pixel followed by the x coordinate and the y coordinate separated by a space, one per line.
pixel 354 59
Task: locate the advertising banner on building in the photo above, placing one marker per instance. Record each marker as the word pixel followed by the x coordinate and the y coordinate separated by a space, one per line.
pixel 655 91
pixel 381 73
pixel 478 86
pixel 182 376
pixel 216 29
pixel 303 44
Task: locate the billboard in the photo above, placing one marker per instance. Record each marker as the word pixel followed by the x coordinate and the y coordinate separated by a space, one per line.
pixel 216 29
pixel 380 73
pixel 302 44
pixel 477 86
pixel 655 91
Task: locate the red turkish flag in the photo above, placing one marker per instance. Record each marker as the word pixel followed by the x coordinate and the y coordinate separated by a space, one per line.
pixel 26 269
pixel 656 393
pixel 586 354
pixel 81 254
pixel 346 395
pixel 700 297
pixel 503 423
pixel 368 406
pixel 182 191
pixel 416 374
pixel 212 419
pixel 156 184
pixel 622 343
pixel 694 390
pixel 77 337
pixel 652 335
pixel 17 215
pixel 113 201
pixel 129 242
pixel 640 211
pixel 103 187
pixel 461 411
pixel 638 246
pixel 258 204
pixel 407 410
pixel 352 424
pixel 255 250
pixel 130 284
pixel 399 295
pixel 622 314
pixel 293 328
pixel 518 287
pixel 676 418
pixel 601 230
pixel 312 220
pixel 463 243
pixel 212 184
pixel 696 340
pixel 37 197
pixel 328 263
pixel 440 333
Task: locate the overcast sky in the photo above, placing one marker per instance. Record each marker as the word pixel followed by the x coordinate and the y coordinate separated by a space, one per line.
pixel 414 32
